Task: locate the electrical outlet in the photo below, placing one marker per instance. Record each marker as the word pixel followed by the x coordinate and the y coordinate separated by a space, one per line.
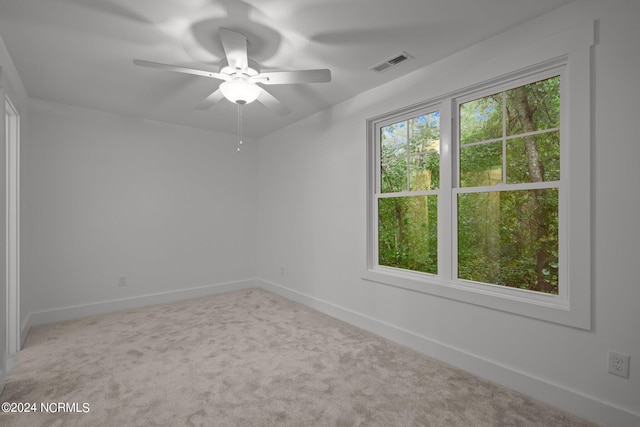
pixel 122 281
pixel 619 364
pixel 282 271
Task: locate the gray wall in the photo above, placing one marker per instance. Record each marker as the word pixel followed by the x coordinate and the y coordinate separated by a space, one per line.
pixel 312 204
pixel 169 207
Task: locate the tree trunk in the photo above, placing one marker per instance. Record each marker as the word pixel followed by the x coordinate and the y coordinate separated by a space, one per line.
pixel 525 116
pixel 536 174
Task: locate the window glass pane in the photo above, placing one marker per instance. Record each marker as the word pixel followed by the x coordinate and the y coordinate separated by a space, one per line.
pixel 424 133
pixel 393 140
pixel 533 107
pixel 509 238
pixel 394 175
pixel 408 233
pixel 534 158
pixel 425 171
pixel 481 119
pixel 481 164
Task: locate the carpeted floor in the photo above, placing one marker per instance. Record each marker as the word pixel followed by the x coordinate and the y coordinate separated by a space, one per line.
pixel 247 358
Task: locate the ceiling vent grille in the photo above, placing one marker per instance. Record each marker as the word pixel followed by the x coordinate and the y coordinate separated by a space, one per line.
pixel 390 63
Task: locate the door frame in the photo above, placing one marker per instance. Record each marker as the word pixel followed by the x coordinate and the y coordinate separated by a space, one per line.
pixel 12 224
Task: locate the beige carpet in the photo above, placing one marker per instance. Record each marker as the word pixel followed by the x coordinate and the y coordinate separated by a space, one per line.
pixel 247 358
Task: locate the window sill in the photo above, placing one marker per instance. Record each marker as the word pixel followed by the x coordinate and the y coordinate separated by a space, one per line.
pixel 536 305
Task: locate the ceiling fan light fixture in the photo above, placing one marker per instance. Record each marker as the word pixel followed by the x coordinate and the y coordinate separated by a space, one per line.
pixel 240 91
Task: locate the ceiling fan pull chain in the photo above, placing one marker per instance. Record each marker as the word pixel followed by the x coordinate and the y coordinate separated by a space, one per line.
pixel 239 125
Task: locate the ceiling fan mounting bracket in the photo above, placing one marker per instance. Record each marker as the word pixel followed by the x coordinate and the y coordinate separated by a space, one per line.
pixel 252 70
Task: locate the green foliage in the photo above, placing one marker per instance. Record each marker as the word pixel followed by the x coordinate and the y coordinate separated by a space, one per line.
pixel 548 148
pixel 407 233
pixel 481 119
pixel 507 237
pixel 542 100
pixel 481 165
pixel 408 226
pixel 410 153
pixel 510 238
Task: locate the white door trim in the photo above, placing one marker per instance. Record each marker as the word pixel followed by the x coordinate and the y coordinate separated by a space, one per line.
pixel 12 204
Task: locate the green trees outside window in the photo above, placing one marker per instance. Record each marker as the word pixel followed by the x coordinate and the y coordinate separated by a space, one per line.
pixel 408 225
pixel 505 188
pixel 510 237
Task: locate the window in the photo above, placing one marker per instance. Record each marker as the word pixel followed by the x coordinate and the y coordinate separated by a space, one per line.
pixel 507 187
pixel 482 195
pixel 408 202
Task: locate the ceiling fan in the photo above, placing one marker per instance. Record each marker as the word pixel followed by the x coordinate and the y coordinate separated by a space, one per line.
pixel 241 76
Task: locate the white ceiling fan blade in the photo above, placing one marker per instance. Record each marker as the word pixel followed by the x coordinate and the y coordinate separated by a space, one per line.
pixel 273 103
pixel 235 47
pixel 178 69
pixel 210 100
pixel 293 77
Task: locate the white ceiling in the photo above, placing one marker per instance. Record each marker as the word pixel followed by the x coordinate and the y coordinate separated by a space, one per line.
pixel 80 52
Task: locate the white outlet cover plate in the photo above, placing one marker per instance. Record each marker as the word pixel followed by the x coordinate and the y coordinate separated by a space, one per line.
pixel 618 364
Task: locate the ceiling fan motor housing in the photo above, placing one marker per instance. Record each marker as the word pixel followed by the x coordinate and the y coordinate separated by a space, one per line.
pixel 252 70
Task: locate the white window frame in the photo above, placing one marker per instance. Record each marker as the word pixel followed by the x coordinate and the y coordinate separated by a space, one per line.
pixel 569 55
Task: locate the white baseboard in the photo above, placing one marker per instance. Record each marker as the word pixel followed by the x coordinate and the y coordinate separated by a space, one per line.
pixel 554 394
pixel 79 311
pixel 25 327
